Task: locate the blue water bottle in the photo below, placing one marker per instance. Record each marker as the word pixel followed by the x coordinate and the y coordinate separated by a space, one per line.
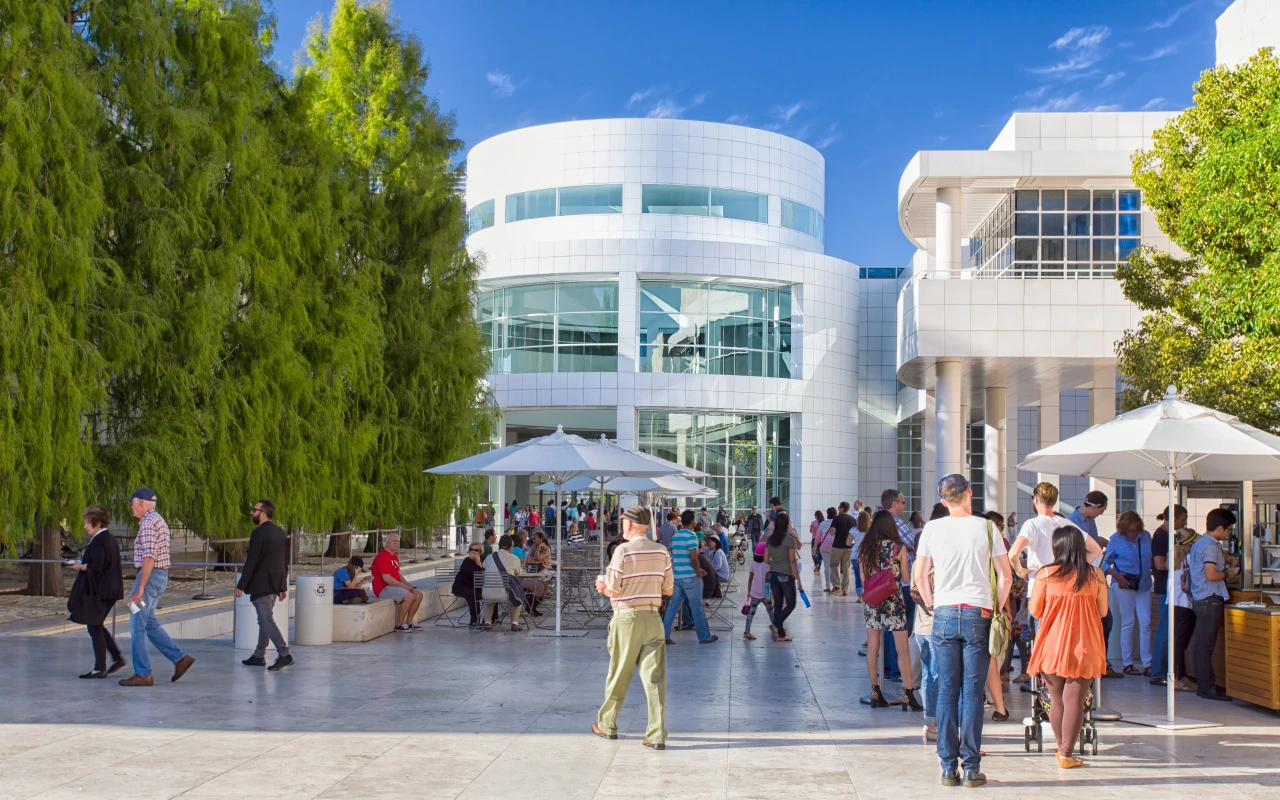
pixel 804 598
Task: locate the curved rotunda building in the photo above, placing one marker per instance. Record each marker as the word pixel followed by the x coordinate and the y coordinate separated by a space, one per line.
pixel 663 282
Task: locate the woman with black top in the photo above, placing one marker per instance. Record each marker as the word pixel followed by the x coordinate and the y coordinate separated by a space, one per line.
pixel 468 580
pixel 1160 587
pixel 97 588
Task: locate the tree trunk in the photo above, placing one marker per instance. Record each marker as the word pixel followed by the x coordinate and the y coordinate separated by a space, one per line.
pixel 45 580
pixel 339 546
pixel 227 553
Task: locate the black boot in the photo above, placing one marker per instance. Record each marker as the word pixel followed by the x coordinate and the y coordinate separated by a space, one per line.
pixel 909 701
pixel 877 697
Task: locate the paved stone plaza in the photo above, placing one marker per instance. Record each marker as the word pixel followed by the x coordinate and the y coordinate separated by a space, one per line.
pixel 450 713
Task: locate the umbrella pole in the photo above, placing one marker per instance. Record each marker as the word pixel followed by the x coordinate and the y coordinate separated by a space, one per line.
pixel 1168 521
pixel 602 526
pixel 559 554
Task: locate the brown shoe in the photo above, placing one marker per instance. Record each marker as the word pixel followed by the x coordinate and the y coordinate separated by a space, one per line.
pixel 654 745
pixel 138 680
pixel 595 728
pixel 180 668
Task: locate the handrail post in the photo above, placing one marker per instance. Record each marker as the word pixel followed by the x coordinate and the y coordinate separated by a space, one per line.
pixel 204 575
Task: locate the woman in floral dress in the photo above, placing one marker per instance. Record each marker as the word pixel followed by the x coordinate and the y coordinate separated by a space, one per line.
pixel 882 549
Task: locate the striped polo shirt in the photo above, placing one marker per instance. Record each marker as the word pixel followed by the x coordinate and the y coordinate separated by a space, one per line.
pixel 640 573
pixel 684 541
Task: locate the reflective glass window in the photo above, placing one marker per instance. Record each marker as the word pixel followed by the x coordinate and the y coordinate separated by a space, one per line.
pixel 480 216
pixel 1104 200
pixel 1104 249
pixel 1028 200
pixel 1051 250
pixel 1053 200
pixel 733 204
pixel 799 217
pixel 1130 200
pixel 1077 224
pixel 666 199
pixel 1127 246
pixel 1078 200
pixel 1028 225
pixel 597 199
pixel 551 327
pixel 1053 225
pixel 1104 224
pixel 1130 224
pixel 715 329
pixel 531 205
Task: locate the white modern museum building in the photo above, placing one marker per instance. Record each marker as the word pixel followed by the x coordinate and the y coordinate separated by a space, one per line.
pixel 664 282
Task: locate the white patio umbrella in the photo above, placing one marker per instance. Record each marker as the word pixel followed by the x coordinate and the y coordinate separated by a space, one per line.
pixel 562 456
pixel 1170 440
pixel 659 486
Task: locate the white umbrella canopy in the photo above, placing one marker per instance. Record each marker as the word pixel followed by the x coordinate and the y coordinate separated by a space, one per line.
pixel 1170 440
pixel 563 456
pixel 678 469
pixel 666 485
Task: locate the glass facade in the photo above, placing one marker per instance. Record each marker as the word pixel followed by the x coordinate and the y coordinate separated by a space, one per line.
pixel 480 216
pixel 656 198
pixel 911 464
pixel 597 199
pixel 531 205
pixel 1058 233
pixel 551 327
pixel 977 459
pixel 733 204
pixel 715 329
pixel 799 217
pixel 748 456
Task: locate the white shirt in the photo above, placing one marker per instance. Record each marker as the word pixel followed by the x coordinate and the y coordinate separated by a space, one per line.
pixel 1038 531
pixel 961 560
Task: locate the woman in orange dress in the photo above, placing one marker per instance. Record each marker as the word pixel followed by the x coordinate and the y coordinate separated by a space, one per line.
pixel 1069 600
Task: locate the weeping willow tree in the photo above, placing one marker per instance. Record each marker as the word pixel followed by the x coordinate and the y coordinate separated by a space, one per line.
pixel 51 210
pixel 365 80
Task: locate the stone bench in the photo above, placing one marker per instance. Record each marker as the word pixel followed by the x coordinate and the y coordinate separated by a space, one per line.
pixel 360 622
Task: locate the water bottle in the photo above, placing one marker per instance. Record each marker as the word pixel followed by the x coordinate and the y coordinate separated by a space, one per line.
pixel 804 598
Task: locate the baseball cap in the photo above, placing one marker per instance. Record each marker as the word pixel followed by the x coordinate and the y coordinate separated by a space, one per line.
pixel 952 486
pixel 638 514
pixel 144 494
pixel 760 549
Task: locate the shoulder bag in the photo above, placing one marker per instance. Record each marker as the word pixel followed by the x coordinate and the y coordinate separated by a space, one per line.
pixel 515 589
pixel 998 641
pixel 880 585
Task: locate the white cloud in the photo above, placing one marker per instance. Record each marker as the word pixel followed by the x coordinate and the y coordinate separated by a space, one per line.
pixel 829 137
pixel 1058 103
pixel 640 95
pixel 1153 104
pixel 665 108
pixel 1082 46
pixel 1159 52
pixel 737 119
pixel 503 85
pixel 785 113
pixel 1110 79
pixel 1172 18
pixel 698 99
pixel 1107 107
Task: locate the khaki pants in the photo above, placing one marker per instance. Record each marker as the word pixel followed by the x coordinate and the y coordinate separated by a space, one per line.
pixel 636 639
pixel 838 564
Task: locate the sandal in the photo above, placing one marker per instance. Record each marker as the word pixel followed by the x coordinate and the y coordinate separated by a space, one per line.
pixel 1132 670
pixel 748 635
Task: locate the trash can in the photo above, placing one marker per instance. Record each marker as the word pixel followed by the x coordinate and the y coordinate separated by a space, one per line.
pixel 246 622
pixel 313 610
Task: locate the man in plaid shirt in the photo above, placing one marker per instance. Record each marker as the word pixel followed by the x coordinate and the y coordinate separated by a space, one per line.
pixel 151 557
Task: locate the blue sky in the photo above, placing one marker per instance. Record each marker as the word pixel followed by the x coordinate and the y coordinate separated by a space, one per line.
pixel 867 83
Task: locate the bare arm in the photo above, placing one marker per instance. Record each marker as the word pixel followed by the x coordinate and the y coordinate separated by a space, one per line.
pixel 1019 544
pixel 1004 579
pixel 1102 594
pixel 1036 609
pixel 1091 549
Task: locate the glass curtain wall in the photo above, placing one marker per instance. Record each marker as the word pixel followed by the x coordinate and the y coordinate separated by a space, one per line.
pixel 799 217
pixel 1057 233
pixel 715 329
pixel 551 327
pixel 911 464
pixel 480 216
pixel 748 456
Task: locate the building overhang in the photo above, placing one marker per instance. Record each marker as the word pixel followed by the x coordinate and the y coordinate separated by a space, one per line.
pixel 986 176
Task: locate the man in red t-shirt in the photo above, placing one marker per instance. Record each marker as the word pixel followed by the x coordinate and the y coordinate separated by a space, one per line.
pixel 388 585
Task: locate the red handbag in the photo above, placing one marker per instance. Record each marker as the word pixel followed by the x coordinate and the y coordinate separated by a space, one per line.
pixel 880 585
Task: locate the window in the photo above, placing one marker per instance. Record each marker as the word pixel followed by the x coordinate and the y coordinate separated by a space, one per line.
pixel 747 456
pixel 480 216
pixel 879 272
pixel 601 199
pixel 551 327
pixel 976 443
pixel 531 205
pixel 799 217
pixel 910 464
pixel 1052 233
pixel 664 199
pixel 1126 496
pixel 715 329
pixel 733 204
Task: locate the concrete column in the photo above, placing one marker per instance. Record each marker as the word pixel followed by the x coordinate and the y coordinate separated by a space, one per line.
pixel 1050 429
pixel 1102 408
pixel 995 451
pixel 949 421
pixel 626 432
pixel 947 233
pixel 499 494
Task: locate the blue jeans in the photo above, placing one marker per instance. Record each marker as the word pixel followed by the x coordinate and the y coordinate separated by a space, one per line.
pixel 1160 649
pixel 928 679
pixel 960 663
pixel 687 589
pixel 144 626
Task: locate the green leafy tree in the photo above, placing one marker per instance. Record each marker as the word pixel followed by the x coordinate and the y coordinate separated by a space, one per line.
pixel 51 211
pixel 367 83
pixel 1212 176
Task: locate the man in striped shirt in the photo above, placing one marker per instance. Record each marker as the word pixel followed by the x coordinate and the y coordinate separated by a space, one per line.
pixel 638 577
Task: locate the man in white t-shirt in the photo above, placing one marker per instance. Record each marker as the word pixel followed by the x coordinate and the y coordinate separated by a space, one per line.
pixel 1036 536
pixel 961 549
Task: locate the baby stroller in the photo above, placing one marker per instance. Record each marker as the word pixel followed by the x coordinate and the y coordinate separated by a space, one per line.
pixel 1033 726
pixel 740 547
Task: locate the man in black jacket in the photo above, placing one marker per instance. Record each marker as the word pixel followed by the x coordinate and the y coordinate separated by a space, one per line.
pixel 266 577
